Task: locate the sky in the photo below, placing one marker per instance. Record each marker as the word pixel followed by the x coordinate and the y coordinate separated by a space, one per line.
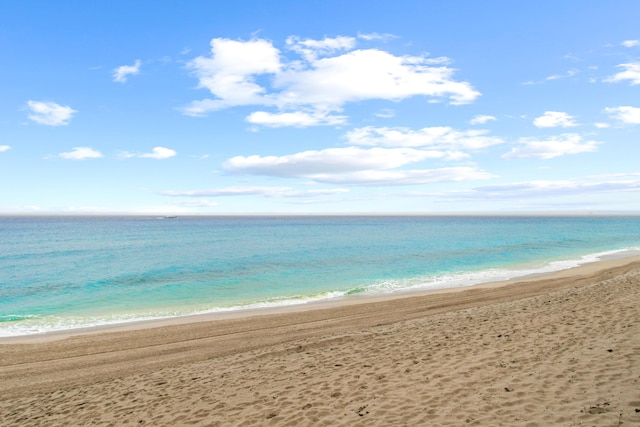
pixel 319 107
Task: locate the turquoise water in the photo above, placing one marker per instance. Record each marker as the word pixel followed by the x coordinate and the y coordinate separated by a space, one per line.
pixel 67 272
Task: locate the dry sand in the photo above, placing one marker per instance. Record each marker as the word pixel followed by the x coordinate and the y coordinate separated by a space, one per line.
pixel 562 350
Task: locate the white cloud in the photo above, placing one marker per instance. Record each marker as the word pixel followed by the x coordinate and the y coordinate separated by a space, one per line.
pixel 353 165
pixel 4 148
pixel 125 155
pixel 50 113
pixel 601 125
pixel 369 74
pixel 626 114
pixel 481 119
pixel 297 118
pixel 404 177
pixel 377 36
pixel 229 74
pixel 328 75
pixel 159 153
pixel 315 193
pixel 329 161
pixel 631 72
pixel 552 119
pixel 227 192
pixel 555 146
pixel 81 153
pixel 123 72
pixel 440 137
pixel 196 203
pixel 276 192
pixel 631 43
pixel 385 113
pixel 312 49
pixel 543 188
pixel 569 73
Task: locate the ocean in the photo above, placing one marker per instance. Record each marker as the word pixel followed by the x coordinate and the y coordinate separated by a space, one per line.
pixel 60 273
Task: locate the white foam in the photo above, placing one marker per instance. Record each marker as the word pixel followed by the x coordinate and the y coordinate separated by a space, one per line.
pixel 457 280
pixel 38 325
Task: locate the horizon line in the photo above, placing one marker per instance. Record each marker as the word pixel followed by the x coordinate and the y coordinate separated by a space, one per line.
pixel 345 214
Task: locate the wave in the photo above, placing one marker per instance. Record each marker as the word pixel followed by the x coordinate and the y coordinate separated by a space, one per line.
pixel 19 325
pixel 14 317
pixel 457 280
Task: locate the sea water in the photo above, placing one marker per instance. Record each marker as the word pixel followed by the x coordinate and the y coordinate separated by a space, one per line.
pixel 60 273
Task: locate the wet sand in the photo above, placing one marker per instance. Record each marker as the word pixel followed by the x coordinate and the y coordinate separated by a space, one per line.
pixel 557 350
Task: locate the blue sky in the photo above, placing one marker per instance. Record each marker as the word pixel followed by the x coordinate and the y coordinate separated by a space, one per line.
pixel 214 107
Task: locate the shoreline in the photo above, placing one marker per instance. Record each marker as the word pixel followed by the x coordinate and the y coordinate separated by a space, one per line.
pixel 204 273
pixel 560 349
pixel 608 260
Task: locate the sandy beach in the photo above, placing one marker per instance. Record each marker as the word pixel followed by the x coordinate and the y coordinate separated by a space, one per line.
pixel 560 350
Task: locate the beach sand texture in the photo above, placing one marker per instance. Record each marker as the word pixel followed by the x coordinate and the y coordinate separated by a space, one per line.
pixel 563 350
